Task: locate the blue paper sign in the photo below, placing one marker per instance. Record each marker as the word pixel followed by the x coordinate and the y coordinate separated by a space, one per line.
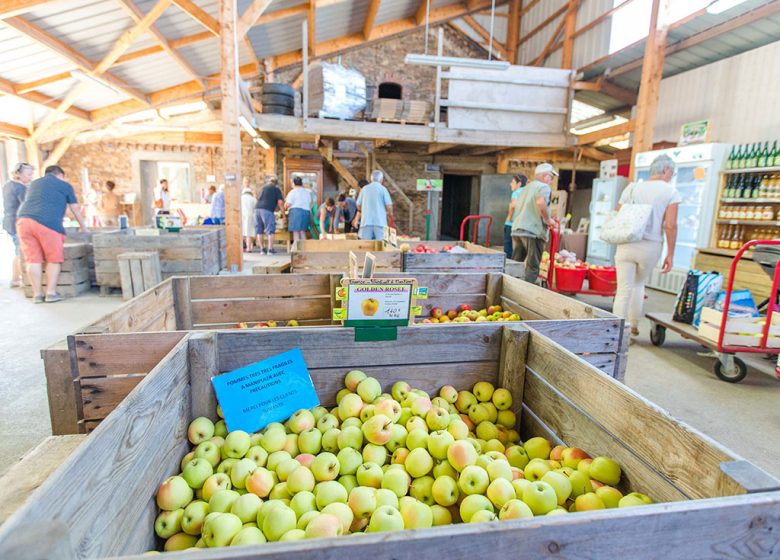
pixel 269 391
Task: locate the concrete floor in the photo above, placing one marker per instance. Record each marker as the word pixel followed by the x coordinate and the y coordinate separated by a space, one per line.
pixel 744 417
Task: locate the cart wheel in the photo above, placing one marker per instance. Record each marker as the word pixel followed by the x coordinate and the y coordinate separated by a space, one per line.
pixel 734 374
pixel 658 335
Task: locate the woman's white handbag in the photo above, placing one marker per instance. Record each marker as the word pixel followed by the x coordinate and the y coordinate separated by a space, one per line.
pixel 628 224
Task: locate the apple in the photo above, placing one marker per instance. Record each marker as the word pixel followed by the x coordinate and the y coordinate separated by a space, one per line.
pixel 399 390
pixel 168 523
pixel 584 466
pixel 257 454
pixel 445 491
pixel 537 448
pixel 571 457
pixel 277 458
pixel 458 429
pixel 370 474
pixel 266 508
pixel 416 515
pixel 349 460
pixel 472 504
pixel 473 480
pixel 462 454
pixel 560 483
pixel 580 484
pixel 303 502
pixel 281 520
pixel 449 394
pixel 369 389
pixel 180 541
pixel 385 497
pixel 310 441
pixel 507 419
pixel 399 456
pixel 200 430
pixel 389 408
pixel 325 467
pixel 438 443
pixel 246 507
pixel 196 472
pixel 437 418
pixel 280 492
pixel 487 431
pixel 343 512
pixel 220 429
pixel 353 422
pixel 464 307
pixel 349 406
pixel 221 529
pixel 248 536
pixel 444 468
pixel 587 502
pixel 319 412
pixel 385 518
pixel 421 406
pixel 397 481
pixel 494 446
pixel 605 470
pixel 329 492
pixel 330 440
pixel 499 469
pixel 222 500
pixel 301 479
pixel 225 465
pixel 513 436
pixel 350 437
pixel 397 439
pixel 240 471
pixel 483 517
pixel 437 312
pixel 419 462
pixel 237 443
pixel 609 496
pixel 348 481
pixel 353 379
pixel 540 497
pixel 260 482
pixel 536 469
pixel 194 516
pixel 422 489
pixel 634 499
pixel 479 413
pixel 324 525
pixel 417 437
pixel 301 420
pixel 365 413
pixel 210 451
pixel 362 501
pixel 273 440
pixel 377 429
pixel 326 422
pixel 441 515
pixel 556 453
pixel 515 509
pixel 174 493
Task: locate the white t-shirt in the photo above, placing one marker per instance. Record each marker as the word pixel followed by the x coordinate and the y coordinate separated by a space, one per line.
pixel 299 197
pixel 658 194
pixel 165 196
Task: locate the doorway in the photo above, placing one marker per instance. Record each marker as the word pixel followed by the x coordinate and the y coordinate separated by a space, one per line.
pixel 460 198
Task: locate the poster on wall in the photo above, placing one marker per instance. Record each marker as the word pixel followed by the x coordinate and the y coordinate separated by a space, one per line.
pixel 430 185
pixel 697 132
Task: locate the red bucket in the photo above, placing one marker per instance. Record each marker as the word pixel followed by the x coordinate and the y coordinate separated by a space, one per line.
pixel 603 279
pixel 570 279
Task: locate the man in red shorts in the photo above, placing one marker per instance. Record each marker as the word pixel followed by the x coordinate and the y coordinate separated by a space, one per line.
pixel 40 231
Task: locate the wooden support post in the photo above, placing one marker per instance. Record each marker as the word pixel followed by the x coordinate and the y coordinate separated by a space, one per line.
pixel 437 98
pixel 650 85
pixel 231 134
pixel 311 19
pixel 513 30
pixel 568 34
pixel 34 155
pixel 59 150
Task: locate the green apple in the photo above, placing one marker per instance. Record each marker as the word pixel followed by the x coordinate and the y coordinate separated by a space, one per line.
pixel 458 428
pixel 536 469
pixel 520 484
pixel 196 472
pixel 247 536
pixel 483 391
pixel 422 490
pixel 246 507
pixel 587 502
pixel 329 492
pixel 610 496
pixel 449 394
pixel 441 515
pixel 478 413
pixel 416 423
pixel 437 418
pixel 353 378
pixel 473 480
pixel 438 443
pixel 495 446
pixel 419 462
pixel 443 468
pixel 370 474
pixel 515 509
pixel 472 504
pixel 375 454
pixel 222 501
pixel 303 520
pixel 487 431
pixel 325 467
pixel 634 499
pixel 348 481
pixel 560 483
pixel 462 454
pixel 502 399
pixel 291 444
pixel 273 439
pixel 417 438
pixel 300 480
pixel 200 430
pixel 385 518
pixel 584 466
pixel 343 512
pixel 186 459
pixel 369 389
pixel 366 412
pixel 265 510
pixel 168 523
pixel 324 525
pixel 180 541
pixel 220 429
pixel 540 497
pixel 499 469
pixel 303 502
pixel 260 482
pixel 194 516
pixel 240 471
pixel 226 465
pixel 377 430
pixel 507 419
pixel 464 401
pixel 257 454
pixel 237 443
pixel 445 491
pixel 350 437
pixel 420 406
pixel 580 483
pixel 277 458
pixel 217 481
pixel 397 481
pixel 221 529
pixel 483 517
pixel 319 412
pixel 286 468
pixel 310 441
pixel 301 420
pixel 389 408
pixel 399 456
pixel 349 406
pixel 500 491
pixel 385 497
pixel 400 390
pixel 351 422
pixel 174 493
pixel 605 470
pixel 330 440
pixel 406 415
pixel 305 459
pixel 571 457
pixel 278 522
pixel 416 515
pixel 210 451
pixel 362 501
pixel 537 448
pixel 327 422
pixel 280 492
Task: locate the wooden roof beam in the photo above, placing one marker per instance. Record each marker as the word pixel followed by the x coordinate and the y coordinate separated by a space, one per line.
pixel 570 27
pixel 368 26
pixel 513 30
pixel 437 148
pixel 485 34
pixel 422 11
pixel 199 14
pixel 311 18
pixel 250 16
pixel 547 21
pixel 609 132
pixel 539 60
pixel 11 8
pixel 9 88
pixel 14 131
pixel 70 98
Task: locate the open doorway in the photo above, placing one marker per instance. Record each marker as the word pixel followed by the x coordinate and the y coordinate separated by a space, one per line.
pixel 460 198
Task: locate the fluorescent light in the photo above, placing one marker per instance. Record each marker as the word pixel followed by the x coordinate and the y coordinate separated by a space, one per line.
pixel 263 143
pixel 182 109
pixel 593 121
pixel 720 6
pixel 246 125
pixel 81 76
pixel 431 60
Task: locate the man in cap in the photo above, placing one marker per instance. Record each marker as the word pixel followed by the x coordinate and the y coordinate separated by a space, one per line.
pixel 532 220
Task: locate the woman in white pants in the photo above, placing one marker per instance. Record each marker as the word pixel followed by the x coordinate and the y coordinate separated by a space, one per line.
pixel 635 261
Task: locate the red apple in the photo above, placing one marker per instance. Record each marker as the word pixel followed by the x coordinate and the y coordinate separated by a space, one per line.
pixel 464 307
pixel 451 313
pixel 437 312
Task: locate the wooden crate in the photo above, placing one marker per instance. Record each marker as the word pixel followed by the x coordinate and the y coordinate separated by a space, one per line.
pixel 478 259
pixel 332 255
pixel 749 274
pixel 74 272
pixel 185 253
pixel 220 302
pixel 716 504
pixel 73 235
pixel 222 233
pixel 139 272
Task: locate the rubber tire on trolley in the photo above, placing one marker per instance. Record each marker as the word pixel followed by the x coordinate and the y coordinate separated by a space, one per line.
pixel 278 99
pixel 658 335
pixel 277 110
pixel 279 89
pixel 723 375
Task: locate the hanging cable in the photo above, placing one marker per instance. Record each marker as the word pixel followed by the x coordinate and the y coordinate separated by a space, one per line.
pixel 492 20
pixel 427 21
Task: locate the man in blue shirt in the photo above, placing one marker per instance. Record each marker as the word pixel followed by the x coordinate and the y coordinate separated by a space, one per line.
pixel 39 226
pixel 218 206
pixel 348 208
pixel 374 208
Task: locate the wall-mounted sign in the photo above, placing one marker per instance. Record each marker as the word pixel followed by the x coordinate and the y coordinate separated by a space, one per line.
pixel 430 185
pixel 694 133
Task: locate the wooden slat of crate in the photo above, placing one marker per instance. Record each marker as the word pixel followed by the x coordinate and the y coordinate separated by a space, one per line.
pixel 32 470
pixel 61 389
pixel 544 304
pixel 339 261
pixel 138 312
pixel 336 245
pixel 101 395
pixel 120 354
pixel 261 309
pixel 689 459
pixel 274 285
pixel 478 258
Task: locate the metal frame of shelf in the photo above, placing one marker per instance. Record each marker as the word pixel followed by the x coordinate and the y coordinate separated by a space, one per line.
pixel 751 170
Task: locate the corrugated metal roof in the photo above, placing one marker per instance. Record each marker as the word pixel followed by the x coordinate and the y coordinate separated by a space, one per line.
pixel 19 112
pixel 343 18
pixel 94 97
pixel 23 60
pixel 284 35
pixel 396 9
pixel 152 73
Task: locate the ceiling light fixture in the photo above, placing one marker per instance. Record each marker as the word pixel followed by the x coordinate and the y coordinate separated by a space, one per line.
pixel 431 60
pixel 246 125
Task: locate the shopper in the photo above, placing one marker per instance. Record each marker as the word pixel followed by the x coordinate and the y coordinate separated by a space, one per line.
pixel 532 220
pixel 39 226
pixel 516 184
pixel 328 217
pixel 162 198
pixel 94 201
pixel 218 207
pixel 375 208
pixel 210 194
pixel 14 192
pixel 348 211
pixel 110 206
pixel 635 261
pixel 299 203
pixel 269 201
pixel 248 202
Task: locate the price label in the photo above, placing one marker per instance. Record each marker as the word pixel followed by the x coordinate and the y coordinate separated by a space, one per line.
pixel 379 302
pixel 341 293
pixel 339 314
pixel 421 293
pixel 417 310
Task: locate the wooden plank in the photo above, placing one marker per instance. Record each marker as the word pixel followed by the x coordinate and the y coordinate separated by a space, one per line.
pixel 32 470
pixel 547 304
pixel 604 362
pixel 181 302
pixel 337 262
pixel 204 365
pixel 126 278
pixel 271 285
pixel 138 311
pixel 750 477
pixel 339 245
pixel 609 132
pixel 473 283
pixel 60 389
pixel 413 262
pixel 493 289
pixel 239 310
pixel 532 426
pixel 479 342
pixel 130 453
pixel 578 336
pixel 578 429
pixel 101 395
pixel 511 371
pixel 121 354
pixel 694 466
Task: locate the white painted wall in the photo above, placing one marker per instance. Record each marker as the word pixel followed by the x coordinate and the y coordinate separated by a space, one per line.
pixel 738 94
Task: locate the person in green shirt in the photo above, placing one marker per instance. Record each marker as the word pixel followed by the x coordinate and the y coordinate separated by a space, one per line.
pixel 517 184
pixel 533 220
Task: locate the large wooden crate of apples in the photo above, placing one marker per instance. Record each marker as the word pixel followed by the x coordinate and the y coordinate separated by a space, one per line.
pixel 85 383
pixel 332 255
pixel 451 256
pixel 586 469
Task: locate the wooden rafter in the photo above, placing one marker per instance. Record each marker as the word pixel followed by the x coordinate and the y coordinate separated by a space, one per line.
pixel 609 132
pixel 59 150
pixel 35 84
pixel 82 63
pixel 12 130
pixel 138 16
pixel 199 14
pixel 70 98
pixel 513 30
pixel 436 148
pixel 570 27
pixel 311 18
pixel 539 60
pixel 547 21
pixel 9 88
pixel 250 16
pixel 11 8
pixel 422 10
pixel 485 34
pixel 368 25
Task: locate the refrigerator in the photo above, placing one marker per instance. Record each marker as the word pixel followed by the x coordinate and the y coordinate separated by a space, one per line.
pixel 604 199
pixel 696 179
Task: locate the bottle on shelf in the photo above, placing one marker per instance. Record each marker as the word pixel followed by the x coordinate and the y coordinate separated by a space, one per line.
pixel 724 235
pixel 775 155
pixel 763 158
pixel 731 158
pixel 736 238
pixel 740 163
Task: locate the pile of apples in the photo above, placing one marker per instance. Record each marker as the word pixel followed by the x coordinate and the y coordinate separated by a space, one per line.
pixel 376 462
pixel 465 314
pixel 268 324
pixel 423 248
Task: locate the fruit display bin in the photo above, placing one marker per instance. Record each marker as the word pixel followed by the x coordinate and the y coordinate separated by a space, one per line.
pixel 332 255
pixel 83 388
pixel 100 503
pixel 478 258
